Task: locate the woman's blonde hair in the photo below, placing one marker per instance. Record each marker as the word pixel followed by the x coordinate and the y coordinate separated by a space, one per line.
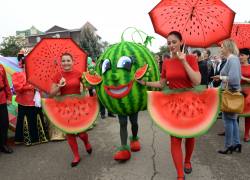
pixel 156 56
pixel 202 57
pixel 231 46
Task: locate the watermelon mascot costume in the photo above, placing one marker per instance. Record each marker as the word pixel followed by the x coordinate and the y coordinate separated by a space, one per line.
pixel 117 90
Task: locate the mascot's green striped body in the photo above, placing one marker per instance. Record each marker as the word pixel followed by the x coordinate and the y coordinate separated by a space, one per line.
pixel 118 91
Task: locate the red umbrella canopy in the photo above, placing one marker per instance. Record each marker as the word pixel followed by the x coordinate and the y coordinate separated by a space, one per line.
pixel 45 60
pixel 201 22
pixel 241 35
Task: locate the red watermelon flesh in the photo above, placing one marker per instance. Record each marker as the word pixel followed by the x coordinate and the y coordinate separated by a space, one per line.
pixel 72 115
pixel 140 72
pixel 187 114
pixel 92 79
pixel 12 122
pixel 246 111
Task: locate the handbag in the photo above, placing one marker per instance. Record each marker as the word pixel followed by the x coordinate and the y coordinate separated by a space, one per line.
pixel 232 102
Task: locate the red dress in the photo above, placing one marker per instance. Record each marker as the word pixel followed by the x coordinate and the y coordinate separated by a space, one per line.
pixel 174 71
pixel 5 94
pixel 73 80
pixel 245 71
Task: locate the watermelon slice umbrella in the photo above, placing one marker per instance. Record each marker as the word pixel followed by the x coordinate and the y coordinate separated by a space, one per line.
pixel 201 23
pixel 45 60
pixel 241 35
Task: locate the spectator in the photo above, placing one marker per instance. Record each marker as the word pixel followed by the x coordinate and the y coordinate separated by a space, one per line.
pixel 218 67
pixel 165 56
pixel 206 54
pixel 202 67
pixel 216 60
pixel 157 59
pixel 231 72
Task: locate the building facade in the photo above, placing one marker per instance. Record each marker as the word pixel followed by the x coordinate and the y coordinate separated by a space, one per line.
pixel 59 32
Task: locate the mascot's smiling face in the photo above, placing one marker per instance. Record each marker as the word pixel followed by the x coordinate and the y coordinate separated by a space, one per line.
pixel 119 92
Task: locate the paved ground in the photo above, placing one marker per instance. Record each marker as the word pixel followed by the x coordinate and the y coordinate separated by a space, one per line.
pixel 154 161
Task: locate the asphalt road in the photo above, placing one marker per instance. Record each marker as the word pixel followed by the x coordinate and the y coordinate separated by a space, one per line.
pixel 154 162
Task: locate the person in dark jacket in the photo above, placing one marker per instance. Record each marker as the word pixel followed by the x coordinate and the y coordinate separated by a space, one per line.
pixel 202 67
pixel 206 54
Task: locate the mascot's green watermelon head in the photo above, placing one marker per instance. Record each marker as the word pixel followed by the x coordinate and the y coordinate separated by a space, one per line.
pixel 118 91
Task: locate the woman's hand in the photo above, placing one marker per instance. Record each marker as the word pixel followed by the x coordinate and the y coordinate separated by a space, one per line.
pixel 9 102
pixel 62 82
pixel 141 82
pixel 216 78
pixel 182 57
pixel 36 88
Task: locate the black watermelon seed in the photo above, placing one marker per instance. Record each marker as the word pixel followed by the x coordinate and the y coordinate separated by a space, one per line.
pixel 184 113
pixel 87 113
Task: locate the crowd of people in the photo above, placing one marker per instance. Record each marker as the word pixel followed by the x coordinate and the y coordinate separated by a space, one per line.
pixel 197 69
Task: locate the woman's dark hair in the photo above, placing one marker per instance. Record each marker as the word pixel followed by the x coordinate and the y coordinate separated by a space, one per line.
pixel 245 51
pixel 67 54
pixel 176 34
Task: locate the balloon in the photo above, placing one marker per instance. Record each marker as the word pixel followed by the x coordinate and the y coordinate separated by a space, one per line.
pixel 89 60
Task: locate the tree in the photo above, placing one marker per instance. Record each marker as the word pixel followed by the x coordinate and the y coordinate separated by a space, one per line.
pixel 106 43
pixel 163 49
pixel 248 21
pixel 89 43
pixel 11 45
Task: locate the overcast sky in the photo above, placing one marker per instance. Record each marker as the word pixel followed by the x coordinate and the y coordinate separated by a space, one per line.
pixel 110 17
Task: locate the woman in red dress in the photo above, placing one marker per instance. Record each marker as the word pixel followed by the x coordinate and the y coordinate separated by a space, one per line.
pixel 245 79
pixel 181 73
pixel 70 84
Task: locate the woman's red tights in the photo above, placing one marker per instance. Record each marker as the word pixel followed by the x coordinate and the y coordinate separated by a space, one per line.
pixel 247 127
pixel 177 153
pixel 74 146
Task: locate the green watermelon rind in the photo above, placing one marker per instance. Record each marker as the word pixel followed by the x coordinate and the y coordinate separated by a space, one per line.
pixel 197 134
pixel 70 132
pixel 244 115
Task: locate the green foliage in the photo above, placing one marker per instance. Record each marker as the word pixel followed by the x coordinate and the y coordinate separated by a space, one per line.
pixel 106 43
pixel 89 43
pixel 11 45
pixel 248 21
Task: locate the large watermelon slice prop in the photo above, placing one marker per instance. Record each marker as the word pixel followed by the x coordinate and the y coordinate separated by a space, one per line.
pixel 186 114
pixel 140 72
pixel 92 79
pixel 246 111
pixel 72 115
